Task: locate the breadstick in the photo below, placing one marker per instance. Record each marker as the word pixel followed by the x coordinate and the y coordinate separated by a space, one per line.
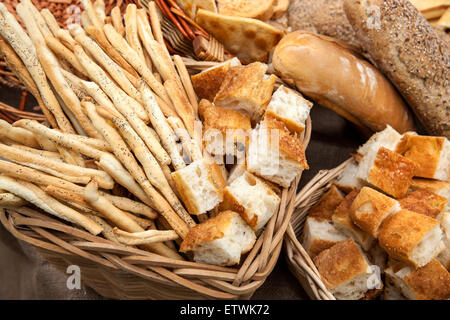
pixel 116 18
pixel 121 220
pixel 60 50
pixel 161 126
pixel 97 94
pixel 102 41
pixel 145 237
pixel 153 172
pixel 167 109
pixel 42 153
pixel 22 45
pixel 107 229
pixel 39 198
pixel 85 21
pixel 19 135
pixel 66 39
pixel 120 100
pixel 131 33
pixel 51 21
pixel 189 145
pixel 182 105
pixel 156 24
pixel 99 7
pixel 40 22
pixel 108 64
pixel 9 200
pixel 133 58
pixel 187 83
pixel 50 165
pixel 91 13
pixel 57 174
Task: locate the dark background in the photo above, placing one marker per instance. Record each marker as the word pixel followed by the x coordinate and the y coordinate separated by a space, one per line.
pixel 25 275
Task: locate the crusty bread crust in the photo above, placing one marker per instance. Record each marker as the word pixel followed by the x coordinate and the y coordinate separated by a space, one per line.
pixel 429 185
pixel 392 173
pixel 425 151
pixel 340 263
pixel 327 204
pixel 431 282
pixel 424 202
pixel 255 9
pixel 401 233
pixel 380 208
pixel 407 49
pixel 207 83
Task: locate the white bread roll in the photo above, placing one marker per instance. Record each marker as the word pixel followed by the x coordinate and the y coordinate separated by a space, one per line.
pixel 337 78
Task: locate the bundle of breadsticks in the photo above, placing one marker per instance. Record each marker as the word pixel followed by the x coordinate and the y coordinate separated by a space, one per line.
pixel 122 153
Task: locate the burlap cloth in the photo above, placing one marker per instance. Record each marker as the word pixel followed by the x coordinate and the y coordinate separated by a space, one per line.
pixel 26 275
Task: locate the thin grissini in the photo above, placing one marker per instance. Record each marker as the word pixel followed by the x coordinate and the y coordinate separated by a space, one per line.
pixel 42 153
pixel 116 19
pixel 58 174
pixel 99 7
pixel 182 105
pixel 167 109
pixel 102 41
pixel 187 82
pixel 66 39
pixel 17 66
pixel 51 21
pixel 190 146
pixel 91 13
pixel 73 120
pixel 107 228
pixel 22 45
pixel 145 237
pixel 152 170
pixel 31 175
pixel 120 100
pixel 10 200
pixel 107 63
pixel 132 57
pixel 19 135
pixel 84 19
pixel 36 15
pixel 39 198
pixel 131 33
pixel 156 24
pixel 53 166
pixel 69 98
pixel 159 123
pixel 62 51
pixel 121 220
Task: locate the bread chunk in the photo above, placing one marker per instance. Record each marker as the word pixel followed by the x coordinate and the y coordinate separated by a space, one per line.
pixel 424 202
pixel 220 240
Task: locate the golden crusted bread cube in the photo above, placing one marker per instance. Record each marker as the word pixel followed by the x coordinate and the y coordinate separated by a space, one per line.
pixel 430 282
pixel 424 202
pixel 275 154
pixel 348 180
pixel 346 272
pixel 319 235
pixel 390 172
pixel 225 131
pixel 440 188
pixel 200 186
pixel 327 204
pixel 220 240
pixel 207 83
pixel 389 138
pixel 290 107
pixel 431 154
pixel 411 237
pixel 343 222
pixel 252 199
pixel 444 256
pixel 370 208
pixel 247 89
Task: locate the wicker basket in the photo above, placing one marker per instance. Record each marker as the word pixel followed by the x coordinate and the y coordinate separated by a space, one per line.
pixel 120 272
pixel 299 262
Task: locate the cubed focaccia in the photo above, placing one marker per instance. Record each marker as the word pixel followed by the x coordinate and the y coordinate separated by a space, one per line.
pixel 327 204
pixel 290 107
pixel 348 180
pixel 319 235
pixel 252 199
pixel 200 186
pixel 346 271
pixel 389 138
pixel 275 153
pixel 411 237
pixel 389 172
pixel 424 202
pixel 431 154
pixel 246 89
pixel 225 131
pixel 220 240
pixel 430 282
pixel 440 188
pixel 370 208
pixel 207 83
pixel 343 222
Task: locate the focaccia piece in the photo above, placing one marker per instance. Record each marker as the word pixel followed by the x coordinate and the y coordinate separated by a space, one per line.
pixel 424 202
pixel 327 204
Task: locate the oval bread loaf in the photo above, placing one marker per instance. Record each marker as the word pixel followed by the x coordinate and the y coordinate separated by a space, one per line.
pixel 337 78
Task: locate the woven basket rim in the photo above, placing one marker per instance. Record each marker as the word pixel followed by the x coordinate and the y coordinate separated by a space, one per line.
pixel 298 260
